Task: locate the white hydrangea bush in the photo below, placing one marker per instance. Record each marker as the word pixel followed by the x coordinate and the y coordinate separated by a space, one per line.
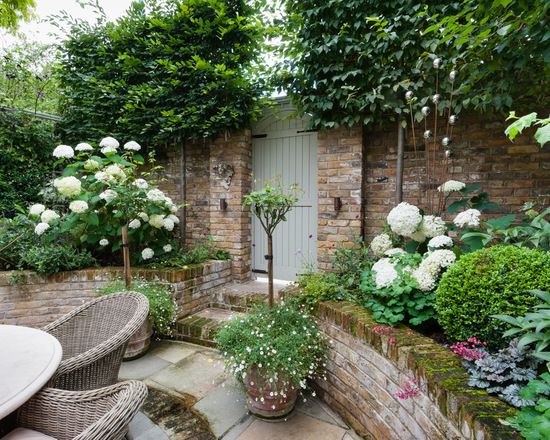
pixel 104 191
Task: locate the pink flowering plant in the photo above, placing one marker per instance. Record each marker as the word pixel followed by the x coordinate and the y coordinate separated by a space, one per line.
pixel 104 192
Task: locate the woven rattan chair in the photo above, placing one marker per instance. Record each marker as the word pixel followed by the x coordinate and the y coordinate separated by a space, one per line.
pixel 94 337
pixel 102 414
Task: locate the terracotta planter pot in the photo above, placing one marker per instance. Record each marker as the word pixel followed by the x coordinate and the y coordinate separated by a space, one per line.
pixel 261 403
pixel 140 342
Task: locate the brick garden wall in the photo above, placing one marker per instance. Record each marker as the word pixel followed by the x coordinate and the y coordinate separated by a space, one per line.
pixel 38 300
pixel 365 370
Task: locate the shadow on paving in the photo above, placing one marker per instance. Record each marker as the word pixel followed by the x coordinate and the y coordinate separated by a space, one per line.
pixel 176 417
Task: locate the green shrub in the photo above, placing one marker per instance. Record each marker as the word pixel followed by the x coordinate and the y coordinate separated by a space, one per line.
pixel 489 282
pixel 162 308
pixel 320 287
pixel 50 258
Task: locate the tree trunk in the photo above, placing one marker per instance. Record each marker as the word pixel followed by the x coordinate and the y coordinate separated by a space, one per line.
pixel 270 268
pixel 126 256
pixel 400 158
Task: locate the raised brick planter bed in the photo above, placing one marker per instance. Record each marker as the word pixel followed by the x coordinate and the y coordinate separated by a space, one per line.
pixel 36 300
pixel 365 370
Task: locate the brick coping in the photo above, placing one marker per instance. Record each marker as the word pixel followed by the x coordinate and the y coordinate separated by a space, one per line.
pixel 172 275
pixel 441 373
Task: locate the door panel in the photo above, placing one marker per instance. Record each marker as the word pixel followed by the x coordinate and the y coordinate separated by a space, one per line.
pixel 289 157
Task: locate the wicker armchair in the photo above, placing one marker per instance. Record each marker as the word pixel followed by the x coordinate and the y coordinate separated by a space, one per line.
pixel 94 337
pixel 102 414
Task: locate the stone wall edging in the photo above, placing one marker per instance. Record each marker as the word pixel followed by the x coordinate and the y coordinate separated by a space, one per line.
pixel 37 300
pixel 365 368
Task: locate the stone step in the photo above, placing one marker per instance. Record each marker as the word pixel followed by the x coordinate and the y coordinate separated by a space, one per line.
pixel 240 297
pixel 201 327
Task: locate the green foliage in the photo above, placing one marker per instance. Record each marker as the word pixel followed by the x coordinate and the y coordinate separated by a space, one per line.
pixel 542 135
pixel 283 342
pixel 26 77
pixel 488 282
pixel 534 327
pixel 271 204
pixel 13 11
pixel 319 287
pixel 165 70
pixel 402 300
pixel 50 258
pixel 350 262
pixel 162 307
pixel 350 62
pixel 533 422
pixel 501 50
pixel 26 145
pixel 182 257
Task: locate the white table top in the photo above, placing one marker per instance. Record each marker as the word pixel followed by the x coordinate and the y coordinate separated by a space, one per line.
pixel 28 359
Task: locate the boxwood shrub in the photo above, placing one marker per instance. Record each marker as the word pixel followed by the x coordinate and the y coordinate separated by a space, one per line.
pixel 487 282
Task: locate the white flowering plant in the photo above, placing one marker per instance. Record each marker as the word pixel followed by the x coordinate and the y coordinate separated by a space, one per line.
pixel 105 192
pixel 281 344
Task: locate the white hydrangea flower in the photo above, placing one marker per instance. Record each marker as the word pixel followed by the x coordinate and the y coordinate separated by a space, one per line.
pixel 78 206
pixel 394 251
pixel 68 186
pixel 168 200
pixel 443 257
pixel 115 171
pixel 108 150
pixel 91 164
pixel 432 226
pixel 425 280
pixel 451 186
pixel 36 209
pixel 102 176
pixel 384 273
pixel 468 218
pixel 103 242
pixel 167 248
pixel 380 244
pixel 404 219
pixel 63 151
pixel 418 236
pixel 141 184
pixel 134 224
pixel 109 142
pixel 132 146
pixel 173 209
pixel 143 216
pixel 83 146
pixel 147 253
pixel 175 219
pixel 40 228
pixel 108 195
pixel 441 241
pixel 156 221
pixel 168 224
pixel 155 195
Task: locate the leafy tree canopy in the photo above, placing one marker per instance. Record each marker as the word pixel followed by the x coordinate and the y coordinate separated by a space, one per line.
pixel 13 11
pixel 178 68
pixel 351 61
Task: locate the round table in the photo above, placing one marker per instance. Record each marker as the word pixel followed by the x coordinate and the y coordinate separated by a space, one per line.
pixel 28 359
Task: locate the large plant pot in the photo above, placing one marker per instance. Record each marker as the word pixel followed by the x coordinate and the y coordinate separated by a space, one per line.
pixel 140 342
pixel 264 405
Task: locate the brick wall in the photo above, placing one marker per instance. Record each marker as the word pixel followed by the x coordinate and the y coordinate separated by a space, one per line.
pixel 215 169
pixel 511 173
pixel 365 370
pixel 40 300
pixel 339 175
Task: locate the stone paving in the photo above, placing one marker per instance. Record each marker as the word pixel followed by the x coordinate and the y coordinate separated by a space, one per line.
pixel 188 382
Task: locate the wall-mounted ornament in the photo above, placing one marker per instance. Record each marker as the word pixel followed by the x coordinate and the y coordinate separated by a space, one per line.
pixel 225 173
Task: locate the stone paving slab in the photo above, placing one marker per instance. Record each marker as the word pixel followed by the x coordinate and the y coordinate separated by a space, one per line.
pixel 142 368
pixel 173 351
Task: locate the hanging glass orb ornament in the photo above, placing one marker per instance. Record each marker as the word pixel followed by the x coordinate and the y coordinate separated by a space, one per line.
pixel 448 153
pixel 409 95
pixel 437 63
pixel 452 75
pixel 453 119
pixel 425 110
pixel 435 98
pixel 427 134
pixel 445 141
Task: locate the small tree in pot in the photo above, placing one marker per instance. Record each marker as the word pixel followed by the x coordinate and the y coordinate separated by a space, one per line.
pixel 271 205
